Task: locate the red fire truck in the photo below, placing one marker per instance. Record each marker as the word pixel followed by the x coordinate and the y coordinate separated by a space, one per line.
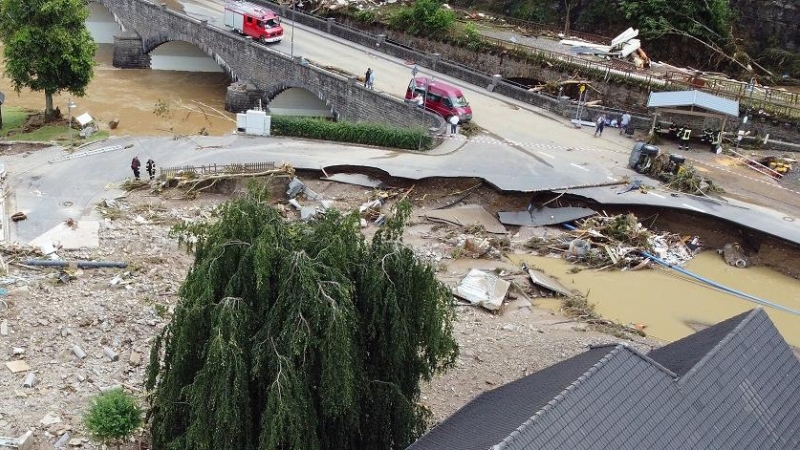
pixel 252 20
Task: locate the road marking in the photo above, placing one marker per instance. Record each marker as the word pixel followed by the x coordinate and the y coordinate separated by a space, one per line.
pixel 546 154
pixel 692 207
pixel 653 193
pixel 579 167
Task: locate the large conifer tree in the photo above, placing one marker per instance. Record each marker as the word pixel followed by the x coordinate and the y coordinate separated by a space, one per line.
pixel 298 336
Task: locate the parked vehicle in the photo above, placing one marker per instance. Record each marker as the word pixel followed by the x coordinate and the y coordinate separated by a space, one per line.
pixel 252 20
pixel 441 98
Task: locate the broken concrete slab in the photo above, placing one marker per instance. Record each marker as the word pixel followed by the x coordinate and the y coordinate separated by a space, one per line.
pixel 467 215
pixel 84 235
pixel 483 289
pixel 24 442
pixel 356 179
pixel 296 187
pixel 543 280
pixel 545 216
pixel 17 366
pixel 308 212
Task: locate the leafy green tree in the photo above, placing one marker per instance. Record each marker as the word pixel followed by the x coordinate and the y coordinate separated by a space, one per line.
pixel 424 17
pixel 113 416
pixel 298 335
pixel 47 46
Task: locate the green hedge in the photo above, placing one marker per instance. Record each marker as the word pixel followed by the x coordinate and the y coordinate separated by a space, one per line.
pixel 355 133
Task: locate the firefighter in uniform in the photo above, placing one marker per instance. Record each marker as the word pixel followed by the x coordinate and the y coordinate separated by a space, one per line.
pixel 151 168
pixel 684 135
pixel 715 143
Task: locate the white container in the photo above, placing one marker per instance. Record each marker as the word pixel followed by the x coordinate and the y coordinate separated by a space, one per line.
pixel 258 123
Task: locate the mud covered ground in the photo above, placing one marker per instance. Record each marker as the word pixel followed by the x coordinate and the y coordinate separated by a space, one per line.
pixel 47 317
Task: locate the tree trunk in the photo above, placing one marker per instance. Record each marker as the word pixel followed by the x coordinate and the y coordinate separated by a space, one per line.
pixel 567 8
pixel 48 105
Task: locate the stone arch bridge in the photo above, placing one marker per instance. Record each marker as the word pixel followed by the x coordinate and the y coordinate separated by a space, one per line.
pixel 259 73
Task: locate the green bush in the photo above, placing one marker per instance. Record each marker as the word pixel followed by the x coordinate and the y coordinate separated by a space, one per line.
pixel 355 133
pixel 424 17
pixel 365 16
pixel 114 415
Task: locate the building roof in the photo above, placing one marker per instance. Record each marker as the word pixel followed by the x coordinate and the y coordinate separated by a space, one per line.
pixel 694 98
pixel 733 385
pixel 478 426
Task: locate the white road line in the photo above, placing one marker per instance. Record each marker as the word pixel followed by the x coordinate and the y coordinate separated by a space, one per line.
pixel 653 193
pixel 546 154
pixel 692 207
pixel 579 167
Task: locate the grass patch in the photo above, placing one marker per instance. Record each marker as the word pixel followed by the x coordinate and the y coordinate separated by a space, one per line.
pixel 13 119
pixel 45 134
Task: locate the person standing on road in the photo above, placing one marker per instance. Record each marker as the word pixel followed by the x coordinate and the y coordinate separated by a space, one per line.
pixel 453 125
pixel 151 168
pixel 366 77
pixel 419 100
pixel 601 123
pixel 371 80
pixel 135 165
pixel 624 122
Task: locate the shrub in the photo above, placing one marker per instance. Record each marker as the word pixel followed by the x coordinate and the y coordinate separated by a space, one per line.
pixel 356 133
pixel 424 17
pixel 365 16
pixel 114 415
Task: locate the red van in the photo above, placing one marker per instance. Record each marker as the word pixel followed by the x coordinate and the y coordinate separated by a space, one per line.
pixel 442 98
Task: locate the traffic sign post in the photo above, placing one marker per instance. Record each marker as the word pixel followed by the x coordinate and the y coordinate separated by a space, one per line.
pixel 581 101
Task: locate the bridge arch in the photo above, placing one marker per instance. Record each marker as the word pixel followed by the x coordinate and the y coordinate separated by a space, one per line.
pixel 152 42
pixel 274 90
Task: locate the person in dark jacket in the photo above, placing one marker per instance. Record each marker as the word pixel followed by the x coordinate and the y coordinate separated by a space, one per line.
pixel 150 165
pixel 135 165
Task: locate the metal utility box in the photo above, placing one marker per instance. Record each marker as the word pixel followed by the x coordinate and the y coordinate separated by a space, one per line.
pixel 258 123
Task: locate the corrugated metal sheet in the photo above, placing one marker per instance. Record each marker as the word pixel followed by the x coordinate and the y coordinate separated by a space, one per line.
pixel 694 98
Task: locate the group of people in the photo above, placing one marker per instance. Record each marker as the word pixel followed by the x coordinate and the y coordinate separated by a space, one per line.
pixel 150 166
pixel 603 121
pixel 369 79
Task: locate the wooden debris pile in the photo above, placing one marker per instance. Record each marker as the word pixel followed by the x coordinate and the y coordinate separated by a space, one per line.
pixel 621 242
pixel 12 254
pixel 686 179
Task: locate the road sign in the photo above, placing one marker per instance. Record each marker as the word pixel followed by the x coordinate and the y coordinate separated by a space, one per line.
pixel 582 88
pixel 414 71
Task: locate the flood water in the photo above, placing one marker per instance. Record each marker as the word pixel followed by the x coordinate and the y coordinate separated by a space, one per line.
pixel 672 305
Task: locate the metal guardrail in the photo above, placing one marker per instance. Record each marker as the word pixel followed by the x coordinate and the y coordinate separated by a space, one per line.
pixel 211 169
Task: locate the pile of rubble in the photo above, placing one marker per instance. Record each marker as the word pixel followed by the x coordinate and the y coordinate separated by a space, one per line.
pixel 623 242
pixel 74 332
pixel 624 47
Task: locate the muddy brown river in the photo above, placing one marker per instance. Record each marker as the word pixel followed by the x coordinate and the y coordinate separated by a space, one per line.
pixel 193 88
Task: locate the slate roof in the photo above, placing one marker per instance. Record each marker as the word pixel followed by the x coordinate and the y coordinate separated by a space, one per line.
pixel 694 98
pixel 733 385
